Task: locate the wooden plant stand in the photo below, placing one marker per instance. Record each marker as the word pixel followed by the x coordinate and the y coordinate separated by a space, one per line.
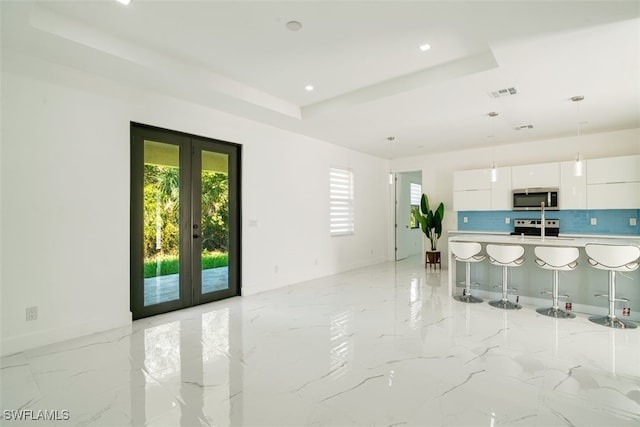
pixel 432 259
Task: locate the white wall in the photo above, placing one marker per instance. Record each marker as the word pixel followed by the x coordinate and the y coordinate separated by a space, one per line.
pixel 65 200
pixel 438 169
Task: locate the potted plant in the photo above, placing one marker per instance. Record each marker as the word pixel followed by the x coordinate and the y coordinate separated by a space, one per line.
pixel 431 224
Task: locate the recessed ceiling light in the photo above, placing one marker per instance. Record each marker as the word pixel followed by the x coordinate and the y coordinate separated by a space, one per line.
pixel 294 25
pixel 309 88
pixel 425 47
pixel 124 2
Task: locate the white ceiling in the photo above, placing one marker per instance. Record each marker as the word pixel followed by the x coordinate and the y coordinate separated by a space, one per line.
pixel 371 80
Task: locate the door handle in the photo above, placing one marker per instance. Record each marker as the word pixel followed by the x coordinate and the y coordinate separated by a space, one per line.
pixel 195 236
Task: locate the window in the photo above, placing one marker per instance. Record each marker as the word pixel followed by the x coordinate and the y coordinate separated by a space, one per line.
pixel 341 212
pixel 415 194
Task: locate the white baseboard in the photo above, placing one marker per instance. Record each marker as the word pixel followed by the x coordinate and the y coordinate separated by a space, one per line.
pixel 16 344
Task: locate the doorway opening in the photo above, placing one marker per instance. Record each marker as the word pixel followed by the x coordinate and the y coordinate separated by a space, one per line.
pixel 408 235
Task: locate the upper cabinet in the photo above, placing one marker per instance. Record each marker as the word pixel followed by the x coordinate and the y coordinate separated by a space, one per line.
pixel 613 183
pixel 501 190
pixel 609 183
pixel 546 175
pixel 573 188
pixel 614 170
pixel 472 190
pixel 479 179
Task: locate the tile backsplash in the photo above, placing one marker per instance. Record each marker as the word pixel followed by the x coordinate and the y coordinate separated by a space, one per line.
pixel 608 221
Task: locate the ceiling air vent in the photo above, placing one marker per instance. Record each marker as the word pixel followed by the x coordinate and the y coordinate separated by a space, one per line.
pixel 503 92
pixel 524 127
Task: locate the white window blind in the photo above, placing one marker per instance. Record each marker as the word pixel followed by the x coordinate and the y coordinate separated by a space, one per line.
pixel 341 211
pixel 416 194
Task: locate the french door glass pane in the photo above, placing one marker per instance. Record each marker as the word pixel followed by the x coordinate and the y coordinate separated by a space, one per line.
pixel 161 222
pixel 215 221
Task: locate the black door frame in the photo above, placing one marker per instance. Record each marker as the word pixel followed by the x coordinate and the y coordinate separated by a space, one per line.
pixel 190 148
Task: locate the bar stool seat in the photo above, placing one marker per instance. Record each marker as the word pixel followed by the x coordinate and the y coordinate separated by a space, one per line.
pixel 467 252
pixel 506 256
pixel 556 259
pixel 612 258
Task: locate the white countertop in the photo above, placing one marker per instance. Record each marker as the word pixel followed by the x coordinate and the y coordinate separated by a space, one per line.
pixel 562 240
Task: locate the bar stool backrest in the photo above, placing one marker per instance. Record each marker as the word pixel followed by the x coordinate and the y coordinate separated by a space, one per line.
pixel 465 250
pixel 557 258
pixel 613 257
pixel 509 255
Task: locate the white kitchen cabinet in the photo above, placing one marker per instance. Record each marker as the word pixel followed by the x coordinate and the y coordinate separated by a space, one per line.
pixel 472 200
pixel 545 175
pixel 501 190
pixel 613 183
pixel 472 190
pixel 619 195
pixel 478 179
pixel 573 189
pixel 613 170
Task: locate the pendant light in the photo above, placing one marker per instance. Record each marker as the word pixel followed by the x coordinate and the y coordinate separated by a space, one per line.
pixel 390 139
pixel 494 170
pixel 578 166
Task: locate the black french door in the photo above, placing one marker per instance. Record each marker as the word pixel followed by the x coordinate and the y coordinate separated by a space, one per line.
pixel 185 220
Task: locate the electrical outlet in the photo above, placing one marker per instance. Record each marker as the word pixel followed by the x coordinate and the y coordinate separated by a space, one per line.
pixel 633 222
pixel 465 219
pixel 507 220
pixel 594 221
pixel 31 313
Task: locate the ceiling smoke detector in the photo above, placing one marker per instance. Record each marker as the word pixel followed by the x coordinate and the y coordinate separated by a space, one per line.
pixel 503 92
pixel 294 25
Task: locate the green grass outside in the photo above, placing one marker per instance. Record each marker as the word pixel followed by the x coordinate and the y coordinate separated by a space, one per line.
pixel 171 265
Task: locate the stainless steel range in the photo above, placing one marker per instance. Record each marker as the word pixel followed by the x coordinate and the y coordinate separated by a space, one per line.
pixel 533 227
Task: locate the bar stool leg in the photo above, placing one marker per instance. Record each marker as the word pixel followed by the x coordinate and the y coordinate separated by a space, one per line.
pixel 504 303
pixel 467 297
pixel 555 311
pixel 611 320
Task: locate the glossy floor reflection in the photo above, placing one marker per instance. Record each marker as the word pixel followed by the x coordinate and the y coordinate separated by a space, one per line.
pixel 383 345
pixel 167 288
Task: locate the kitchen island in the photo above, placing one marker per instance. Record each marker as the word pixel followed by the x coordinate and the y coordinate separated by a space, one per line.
pixel 581 284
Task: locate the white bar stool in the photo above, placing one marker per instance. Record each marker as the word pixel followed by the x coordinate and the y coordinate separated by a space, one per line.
pixel 505 256
pixel 556 259
pixel 467 252
pixel 613 258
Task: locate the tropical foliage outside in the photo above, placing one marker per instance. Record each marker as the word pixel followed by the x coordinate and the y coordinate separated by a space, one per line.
pixel 161 220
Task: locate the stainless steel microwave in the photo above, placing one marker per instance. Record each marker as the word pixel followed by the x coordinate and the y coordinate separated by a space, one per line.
pixel 531 199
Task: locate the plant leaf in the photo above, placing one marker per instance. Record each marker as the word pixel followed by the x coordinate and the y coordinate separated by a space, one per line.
pixel 424 204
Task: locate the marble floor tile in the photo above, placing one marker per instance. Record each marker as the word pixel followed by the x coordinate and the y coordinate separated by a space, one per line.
pixel 383 345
